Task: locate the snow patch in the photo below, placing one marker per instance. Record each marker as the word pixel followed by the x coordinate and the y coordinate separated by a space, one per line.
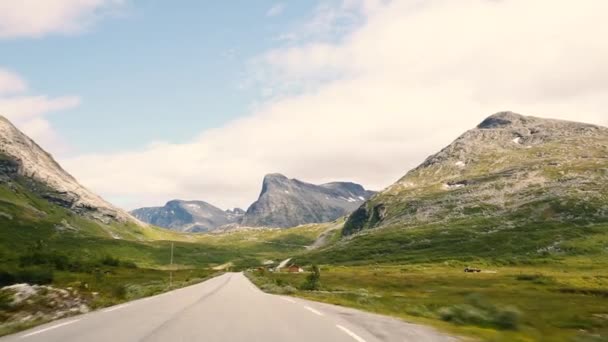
pixel 286 191
pixel 517 140
pixel 460 164
pixel 362 198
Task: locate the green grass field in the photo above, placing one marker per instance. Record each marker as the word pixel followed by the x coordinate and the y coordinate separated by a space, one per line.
pixel 558 302
pixel 541 281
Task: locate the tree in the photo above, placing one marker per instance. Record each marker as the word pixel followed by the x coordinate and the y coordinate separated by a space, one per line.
pixel 312 282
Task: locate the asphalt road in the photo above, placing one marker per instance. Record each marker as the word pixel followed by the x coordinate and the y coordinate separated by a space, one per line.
pixel 226 308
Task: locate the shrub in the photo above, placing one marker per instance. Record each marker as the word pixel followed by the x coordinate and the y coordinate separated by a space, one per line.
pixel 6 278
pixel 481 313
pixel 507 318
pixel 289 290
pixel 38 276
pixel 119 291
pixel 110 261
pixel 312 282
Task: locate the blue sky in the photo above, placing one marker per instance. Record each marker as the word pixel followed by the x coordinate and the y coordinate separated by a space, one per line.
pixel 151 70
pixel 148 101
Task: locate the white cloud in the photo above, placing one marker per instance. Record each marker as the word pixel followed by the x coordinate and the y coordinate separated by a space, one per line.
pixel 10 82
pixel 404 82
pixel 275 10
pixel 28 112
pixel 35 18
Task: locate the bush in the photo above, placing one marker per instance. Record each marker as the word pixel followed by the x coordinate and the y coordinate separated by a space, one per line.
pixel 312 282
pixel 110 261
pixel 507 318
pixel 40 276
pixel 481 313
pixel 119 291
pixel 6 278
pixel 289 290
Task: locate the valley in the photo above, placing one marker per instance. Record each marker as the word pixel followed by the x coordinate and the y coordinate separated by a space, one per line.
pixel 521 199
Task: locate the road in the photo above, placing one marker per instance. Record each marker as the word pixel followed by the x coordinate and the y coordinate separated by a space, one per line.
pixel 226 308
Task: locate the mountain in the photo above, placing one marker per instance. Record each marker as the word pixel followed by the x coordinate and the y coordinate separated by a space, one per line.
pixel 188 216
pixel 286 202
pixel 23 161
pixel 511 169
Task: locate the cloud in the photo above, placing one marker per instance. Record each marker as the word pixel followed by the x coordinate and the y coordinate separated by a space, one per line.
pixel 35 18
pixel 10 82
pixel 402 83
pixel 28 112
pixel 275 10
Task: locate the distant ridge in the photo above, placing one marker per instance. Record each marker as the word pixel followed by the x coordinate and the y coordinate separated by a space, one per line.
pixel 189 216
pixel 285 202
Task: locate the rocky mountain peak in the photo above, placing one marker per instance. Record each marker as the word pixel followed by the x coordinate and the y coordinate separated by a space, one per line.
pixel 504 119
pixel 189 216
pixel 285 202
pixel 49 180
pixel 274 180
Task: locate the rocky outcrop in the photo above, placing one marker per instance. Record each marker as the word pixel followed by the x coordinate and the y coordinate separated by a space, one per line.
pixel 286 202
pixel 22 160
pixel 25 303
pixel 189 216
pixel 510 165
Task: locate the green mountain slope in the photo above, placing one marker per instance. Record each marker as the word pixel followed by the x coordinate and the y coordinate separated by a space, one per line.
pixel 513 187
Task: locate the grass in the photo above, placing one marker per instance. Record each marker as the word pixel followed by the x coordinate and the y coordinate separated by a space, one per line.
pixel 110 285
pixel 560 302
pixel 43 243
pixel 541 280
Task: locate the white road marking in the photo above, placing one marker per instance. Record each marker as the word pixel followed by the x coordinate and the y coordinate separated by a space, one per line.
pixel 350 333
pixel 50 328
pixel 313 310
pixel 288 299
pixel 115 308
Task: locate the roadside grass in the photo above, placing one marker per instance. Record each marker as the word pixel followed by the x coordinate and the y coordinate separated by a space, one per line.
pixel 558 302
pixel 110 285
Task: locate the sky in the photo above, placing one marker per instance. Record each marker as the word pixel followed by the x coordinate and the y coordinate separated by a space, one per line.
pixel 145 101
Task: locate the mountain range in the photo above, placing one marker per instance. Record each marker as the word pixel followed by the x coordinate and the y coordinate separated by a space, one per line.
pixel 282 203
pixel 189 216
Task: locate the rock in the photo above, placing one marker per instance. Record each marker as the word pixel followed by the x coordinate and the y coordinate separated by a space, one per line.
pixel 286 202
pixel 41 302
pixel 20 156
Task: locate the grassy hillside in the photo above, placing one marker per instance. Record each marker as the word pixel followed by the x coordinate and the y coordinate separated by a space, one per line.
pixel 105 264
pixel 523 169
pixel 524 200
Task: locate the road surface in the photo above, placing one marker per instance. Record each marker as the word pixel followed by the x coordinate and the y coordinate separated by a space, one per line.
pixel 226 308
